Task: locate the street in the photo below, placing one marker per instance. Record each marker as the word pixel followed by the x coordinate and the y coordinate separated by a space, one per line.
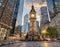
pixel 35 44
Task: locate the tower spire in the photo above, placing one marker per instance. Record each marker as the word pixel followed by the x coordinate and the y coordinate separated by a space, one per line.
pixel 32 7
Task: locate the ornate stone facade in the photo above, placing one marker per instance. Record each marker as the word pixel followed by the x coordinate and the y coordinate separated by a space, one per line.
pixel 33 34
pixel 6 13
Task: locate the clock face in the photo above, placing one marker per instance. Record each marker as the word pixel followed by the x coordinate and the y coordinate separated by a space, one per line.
pixel 32 15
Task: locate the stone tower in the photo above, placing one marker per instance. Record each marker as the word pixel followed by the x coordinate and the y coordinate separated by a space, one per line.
pixel 33 34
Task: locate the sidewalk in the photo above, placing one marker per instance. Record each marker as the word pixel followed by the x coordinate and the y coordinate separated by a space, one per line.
pixel 7 42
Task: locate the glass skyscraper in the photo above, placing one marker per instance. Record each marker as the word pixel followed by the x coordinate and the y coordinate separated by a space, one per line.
pixel 20 13
pixel 53 7
pixel 44 14
pixel 14 18
pixel 16 9
pixel 50 7
pixel 26 23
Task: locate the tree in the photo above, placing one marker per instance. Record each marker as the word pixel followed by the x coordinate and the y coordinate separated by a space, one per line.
pixel 58 28
pixel 52 32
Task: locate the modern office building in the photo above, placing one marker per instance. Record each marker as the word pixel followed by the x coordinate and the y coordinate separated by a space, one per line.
pixel 57 5
pixel 44 17
pixel 53 7
pixel 20 13
pixel 6 13
pixel 14 18
pixel 26 23
pixel 26 18
pixel 44 14
pixel 50 5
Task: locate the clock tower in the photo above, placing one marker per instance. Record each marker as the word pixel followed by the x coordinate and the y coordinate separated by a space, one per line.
pixel 33 34
pixel 33 27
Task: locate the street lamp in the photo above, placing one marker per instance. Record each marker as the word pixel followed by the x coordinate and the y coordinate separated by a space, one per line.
pixel 44 31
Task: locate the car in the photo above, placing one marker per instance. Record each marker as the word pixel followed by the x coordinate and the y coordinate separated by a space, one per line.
pixel 48 39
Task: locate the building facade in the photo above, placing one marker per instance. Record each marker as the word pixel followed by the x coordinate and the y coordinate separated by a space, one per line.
pixel 44 17
pixel 44 14
pixel 18 30
pixel 14 18
pixel 57 5
pixel 26 23
pixel 2 7
pixel 33 33
pixel 53 7
pixel 50 7
pixel 13 26
pixel 20 14
pixel 6 13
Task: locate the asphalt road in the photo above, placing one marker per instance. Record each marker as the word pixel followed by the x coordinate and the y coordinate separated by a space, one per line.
pixel 35 44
